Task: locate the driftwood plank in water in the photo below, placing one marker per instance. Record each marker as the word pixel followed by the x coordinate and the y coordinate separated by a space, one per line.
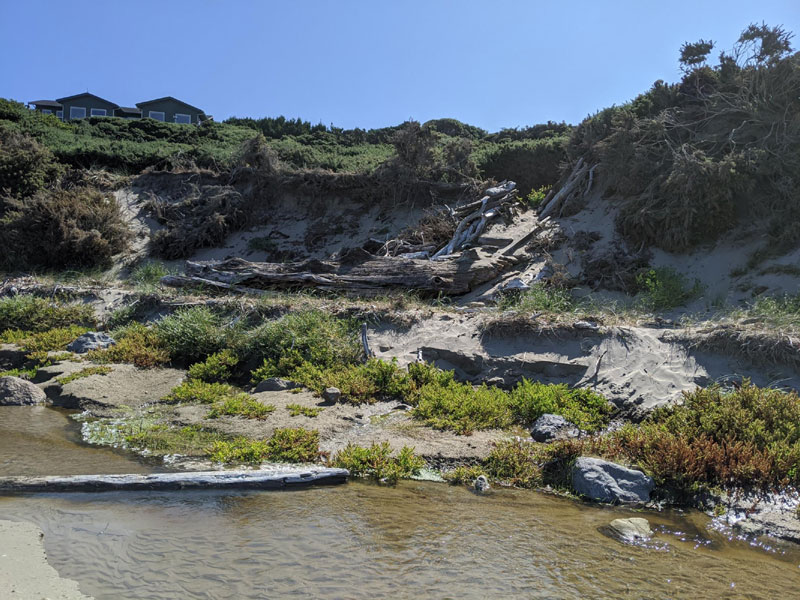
pixel 249 480
pixel 451 276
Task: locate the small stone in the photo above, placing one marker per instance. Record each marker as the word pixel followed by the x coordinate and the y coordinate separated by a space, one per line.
pixel 605 481
pixel 548 428
pixel 19 392
pixel 481 484
pixel 589 325
pixel 274 384
pixel 331 394
pixel 93 340
pixel 631 530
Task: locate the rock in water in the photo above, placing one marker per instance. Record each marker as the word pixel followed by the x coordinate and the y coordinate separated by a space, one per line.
pixel 553 427
pixel 93 340
pixel 634 529
pixel 332 394
pixel 274 384
pixel 19 392
pixel 609 482
pixel 481 484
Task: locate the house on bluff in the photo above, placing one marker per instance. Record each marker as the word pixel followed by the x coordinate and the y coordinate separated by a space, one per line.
pixel 80 106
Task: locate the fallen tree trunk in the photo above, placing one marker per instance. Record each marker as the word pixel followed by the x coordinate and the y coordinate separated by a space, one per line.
pixel 251 480
pixel 371 273
pixel 359 272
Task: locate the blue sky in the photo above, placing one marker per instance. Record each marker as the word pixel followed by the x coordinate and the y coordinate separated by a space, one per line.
pixel 367 63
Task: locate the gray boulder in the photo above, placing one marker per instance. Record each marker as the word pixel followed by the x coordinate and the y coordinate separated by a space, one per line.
pixel 93 340
pixel 609 482
pixel 634 529
pixel 553 427
pixel 274 384
pixel 332 394
pixel 19 392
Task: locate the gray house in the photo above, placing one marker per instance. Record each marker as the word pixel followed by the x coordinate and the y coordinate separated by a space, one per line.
pixel 84 105
pixel 171 110
pixel 79 106
pixel 47 107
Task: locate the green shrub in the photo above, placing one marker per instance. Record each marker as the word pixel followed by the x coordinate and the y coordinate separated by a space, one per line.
pixel 79 227
pixel 191 334
pixel 44 341
pixel 217 367
pixel 531 399
pixel 136 344
pixel 368 383
pixel 240 405
pixel 21 373
pixel 26 167
pixel 463 408
pixel 238 450
pixel 285 445
pixel 377 462
pixel 311 336
pixel 664 288
pixel 536 196
pixel 199 392
pixel 29 313
pixel 516 463
pixel 296 445
pixel 532 164
pixel 444 403
pixel 295 410
pixel 540 298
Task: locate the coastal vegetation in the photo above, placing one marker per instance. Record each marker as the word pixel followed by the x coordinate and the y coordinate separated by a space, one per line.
pixel 677 167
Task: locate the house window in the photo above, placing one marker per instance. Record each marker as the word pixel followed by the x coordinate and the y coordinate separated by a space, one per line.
pixel 157 115
pixel 98 112
pixel 47 112
pixel 179 118
pixel 60 114
pixel 77 112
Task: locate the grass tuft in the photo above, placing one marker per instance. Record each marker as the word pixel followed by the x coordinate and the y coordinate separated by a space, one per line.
pixel 295 410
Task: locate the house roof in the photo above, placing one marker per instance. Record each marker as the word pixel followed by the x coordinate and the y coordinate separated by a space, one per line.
pixel 129 109
pixel 52 103
pixel 141 104
pixel 66 98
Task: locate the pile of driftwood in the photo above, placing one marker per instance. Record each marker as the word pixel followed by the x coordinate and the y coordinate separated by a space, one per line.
pixel 449 270
pixel 468 220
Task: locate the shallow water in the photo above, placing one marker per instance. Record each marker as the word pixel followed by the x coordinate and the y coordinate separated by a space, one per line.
pixel 365 541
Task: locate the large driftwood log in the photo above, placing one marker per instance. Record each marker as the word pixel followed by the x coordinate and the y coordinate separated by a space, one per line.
pixel 261 480
pixel 369 273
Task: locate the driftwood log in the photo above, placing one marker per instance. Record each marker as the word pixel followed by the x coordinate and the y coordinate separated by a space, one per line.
pixel 373 273
pixel 359 272
pixel 251 480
